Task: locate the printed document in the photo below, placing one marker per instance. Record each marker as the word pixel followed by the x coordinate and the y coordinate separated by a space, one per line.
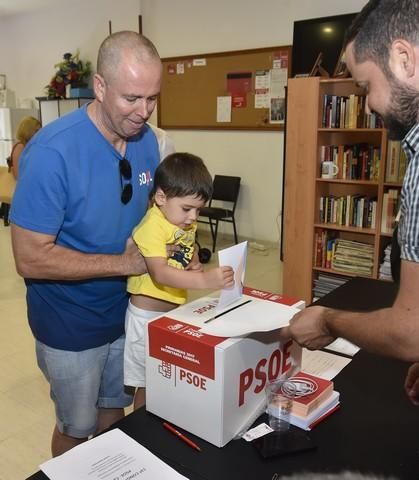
pixel 111 455
pixel 322 364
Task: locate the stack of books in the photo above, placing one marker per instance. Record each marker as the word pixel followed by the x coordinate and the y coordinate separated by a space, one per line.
pixel 326 283
pixel 351 257
pixel 316 400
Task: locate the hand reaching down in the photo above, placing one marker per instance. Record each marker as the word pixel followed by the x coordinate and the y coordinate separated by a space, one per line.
pixel 221 277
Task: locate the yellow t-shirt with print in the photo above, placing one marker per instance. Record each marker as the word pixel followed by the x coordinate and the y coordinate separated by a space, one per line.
pixel 151 236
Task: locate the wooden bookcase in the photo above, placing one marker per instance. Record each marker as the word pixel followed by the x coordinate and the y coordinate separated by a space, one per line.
pixel 304 186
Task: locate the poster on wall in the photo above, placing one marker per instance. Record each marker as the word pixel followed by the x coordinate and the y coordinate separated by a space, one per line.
pixel 279 78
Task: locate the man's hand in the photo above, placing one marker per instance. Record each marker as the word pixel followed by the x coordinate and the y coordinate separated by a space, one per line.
pixel 411 384
pixel 308 328
pixel 134 261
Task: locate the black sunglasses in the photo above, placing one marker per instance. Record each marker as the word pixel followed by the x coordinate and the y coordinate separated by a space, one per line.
pixel 126 174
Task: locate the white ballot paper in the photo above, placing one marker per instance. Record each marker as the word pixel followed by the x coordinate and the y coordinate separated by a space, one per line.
pixel 343 346
pixel 234 257
pixel 107 457
pixel 251 315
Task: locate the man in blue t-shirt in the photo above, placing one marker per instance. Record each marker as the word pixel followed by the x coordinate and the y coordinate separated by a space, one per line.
pixel 84 184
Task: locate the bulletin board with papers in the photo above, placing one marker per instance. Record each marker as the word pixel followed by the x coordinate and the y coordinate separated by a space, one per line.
pixel 238 90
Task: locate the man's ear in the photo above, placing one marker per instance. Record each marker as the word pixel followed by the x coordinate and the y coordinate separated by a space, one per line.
pixel 159 197
pixel 99 86
pixel 403 58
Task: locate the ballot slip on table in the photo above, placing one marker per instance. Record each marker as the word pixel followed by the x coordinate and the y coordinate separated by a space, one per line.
pixel 209 385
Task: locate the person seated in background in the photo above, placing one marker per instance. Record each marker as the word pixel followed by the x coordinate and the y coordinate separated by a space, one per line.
pixel 25 131
pixel 182 185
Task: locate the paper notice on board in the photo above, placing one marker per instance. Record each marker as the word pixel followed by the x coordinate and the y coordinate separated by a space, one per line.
pixel 180 68
pixel 262 88
pixel 279 77
pixel 199 62
pixel 224 109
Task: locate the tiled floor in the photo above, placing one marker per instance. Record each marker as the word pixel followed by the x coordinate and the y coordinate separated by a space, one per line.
pixel 27 417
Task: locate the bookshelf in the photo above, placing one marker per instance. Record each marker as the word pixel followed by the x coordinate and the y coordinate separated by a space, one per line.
pixel 346 208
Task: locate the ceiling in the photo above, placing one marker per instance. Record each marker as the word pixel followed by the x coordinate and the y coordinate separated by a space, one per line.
pixel 13 7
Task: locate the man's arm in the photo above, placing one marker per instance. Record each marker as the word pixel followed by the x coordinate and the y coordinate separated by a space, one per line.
pixel 391 331
pixel 37 256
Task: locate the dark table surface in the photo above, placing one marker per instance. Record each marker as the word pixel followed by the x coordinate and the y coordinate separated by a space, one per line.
pixel 375 431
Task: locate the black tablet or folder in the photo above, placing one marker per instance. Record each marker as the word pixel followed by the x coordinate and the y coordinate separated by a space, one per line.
pixel 277 444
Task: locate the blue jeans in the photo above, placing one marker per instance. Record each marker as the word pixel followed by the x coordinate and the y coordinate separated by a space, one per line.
pixel 82 382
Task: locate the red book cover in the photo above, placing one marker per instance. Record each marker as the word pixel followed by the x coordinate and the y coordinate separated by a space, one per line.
pixel 312 391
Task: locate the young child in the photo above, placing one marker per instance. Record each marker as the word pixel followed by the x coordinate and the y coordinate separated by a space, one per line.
pixel 182 185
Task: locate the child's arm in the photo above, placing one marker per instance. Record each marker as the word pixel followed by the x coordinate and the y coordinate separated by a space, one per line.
pixel 161 272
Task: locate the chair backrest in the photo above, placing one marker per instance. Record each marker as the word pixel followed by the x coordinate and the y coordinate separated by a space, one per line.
pixel 226 189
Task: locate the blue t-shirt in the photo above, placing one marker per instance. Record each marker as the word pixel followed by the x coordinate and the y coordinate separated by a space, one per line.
pixel 70 187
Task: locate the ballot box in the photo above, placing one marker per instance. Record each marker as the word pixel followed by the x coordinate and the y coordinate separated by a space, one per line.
pixel 209 385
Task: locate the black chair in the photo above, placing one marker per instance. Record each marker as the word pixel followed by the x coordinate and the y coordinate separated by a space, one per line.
pixel 226 189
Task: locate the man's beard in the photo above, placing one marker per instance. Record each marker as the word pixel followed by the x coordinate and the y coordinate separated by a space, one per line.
pixel 403 111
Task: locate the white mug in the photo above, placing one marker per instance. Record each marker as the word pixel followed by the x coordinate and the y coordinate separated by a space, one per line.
pixel 329 170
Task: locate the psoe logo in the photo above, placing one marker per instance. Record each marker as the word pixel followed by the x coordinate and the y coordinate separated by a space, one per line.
pixel 175 327
pixel 144 178
pixel 165 369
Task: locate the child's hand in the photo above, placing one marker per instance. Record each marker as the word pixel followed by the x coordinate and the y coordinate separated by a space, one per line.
pixel 221 277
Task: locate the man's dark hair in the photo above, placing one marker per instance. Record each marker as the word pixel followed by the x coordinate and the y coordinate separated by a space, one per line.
pixel 182 174
pixel 378 24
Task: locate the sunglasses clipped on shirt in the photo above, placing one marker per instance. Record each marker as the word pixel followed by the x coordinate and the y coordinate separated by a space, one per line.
pixel 126 185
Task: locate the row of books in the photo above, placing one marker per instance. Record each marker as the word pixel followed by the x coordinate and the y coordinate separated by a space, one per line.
pixel 324 244
pixel 316 399
pixel 349 210
pixel 355 162
pixel 326 283
pixel 341 255
pixel 391 203
pixel 347 112
pixel 396 162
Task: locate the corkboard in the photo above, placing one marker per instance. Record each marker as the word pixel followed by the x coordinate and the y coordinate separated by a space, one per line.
pixel 188 100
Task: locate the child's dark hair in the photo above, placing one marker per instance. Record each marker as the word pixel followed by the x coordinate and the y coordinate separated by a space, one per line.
pixel 182 174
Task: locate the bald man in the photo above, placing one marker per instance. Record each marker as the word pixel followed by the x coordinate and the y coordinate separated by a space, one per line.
pixel 84 184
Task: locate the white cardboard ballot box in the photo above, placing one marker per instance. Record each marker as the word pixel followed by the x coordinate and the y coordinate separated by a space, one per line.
pixel 213 386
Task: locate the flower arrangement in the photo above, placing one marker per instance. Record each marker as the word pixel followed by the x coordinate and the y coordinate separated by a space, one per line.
pixel 71 71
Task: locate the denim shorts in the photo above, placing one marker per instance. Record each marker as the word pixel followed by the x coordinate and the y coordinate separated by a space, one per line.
pixel 82 382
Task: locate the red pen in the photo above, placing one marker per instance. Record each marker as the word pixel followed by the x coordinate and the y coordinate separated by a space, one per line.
pixel 182 437
pixel 323 417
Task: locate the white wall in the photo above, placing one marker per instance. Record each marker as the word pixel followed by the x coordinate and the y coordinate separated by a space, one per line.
pixel 30 45
pixel 184 27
